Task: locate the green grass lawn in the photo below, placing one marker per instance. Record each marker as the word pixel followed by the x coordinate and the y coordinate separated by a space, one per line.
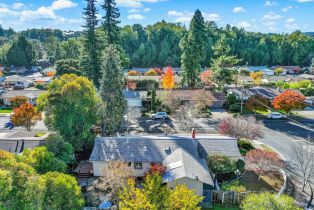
pixel 6 110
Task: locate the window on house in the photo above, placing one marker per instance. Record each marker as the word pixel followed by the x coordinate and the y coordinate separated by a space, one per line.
pixel 138 166
pixel 129 164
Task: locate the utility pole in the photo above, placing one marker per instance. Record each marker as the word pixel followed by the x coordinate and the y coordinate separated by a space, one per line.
pixel 243 89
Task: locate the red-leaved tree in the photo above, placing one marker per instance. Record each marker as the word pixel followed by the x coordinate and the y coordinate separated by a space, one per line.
pixel 207 77
pixel 157 168
pixel 263 162
pixel 289 100
pixel 241 127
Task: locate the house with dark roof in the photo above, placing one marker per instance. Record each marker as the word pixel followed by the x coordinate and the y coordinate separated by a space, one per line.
pixel 183 156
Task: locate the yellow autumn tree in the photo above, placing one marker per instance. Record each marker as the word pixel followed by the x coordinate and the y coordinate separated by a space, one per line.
pixel 168 79
pixel 257 77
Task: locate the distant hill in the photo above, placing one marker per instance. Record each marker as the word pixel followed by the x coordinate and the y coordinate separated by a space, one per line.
pixel 309 34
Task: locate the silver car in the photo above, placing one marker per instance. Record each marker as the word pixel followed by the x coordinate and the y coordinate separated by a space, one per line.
pixel 159 115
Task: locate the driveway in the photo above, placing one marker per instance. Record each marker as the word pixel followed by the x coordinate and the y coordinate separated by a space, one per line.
pixel 40 126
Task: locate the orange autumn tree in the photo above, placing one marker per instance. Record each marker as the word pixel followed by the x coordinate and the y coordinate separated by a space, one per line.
pixel 207 77
pixel 17 101
pixel 168 79
pixel 289 100
pixel 26 116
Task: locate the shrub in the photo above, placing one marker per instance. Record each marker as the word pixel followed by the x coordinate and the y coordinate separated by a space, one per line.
pixel 61 149
pixel 221 164
pixel 240 165
pixel 232 99
pixel 151 72
pixel 269 201
pixel 147 84
pixel 245 146
pixel 133 73
pixel 235 108
pixel 233 186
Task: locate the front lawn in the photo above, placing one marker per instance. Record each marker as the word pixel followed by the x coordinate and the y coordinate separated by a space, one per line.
pixel 6 110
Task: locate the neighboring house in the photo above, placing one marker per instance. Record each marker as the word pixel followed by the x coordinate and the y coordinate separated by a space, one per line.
pixel 264 69
pixel 49 71
pixel 42 80
pixel 17 81
pixel 133 98
pixel 240 92
pixel 30 93
pixel 217 99
pixel 268 93
pixel 183 156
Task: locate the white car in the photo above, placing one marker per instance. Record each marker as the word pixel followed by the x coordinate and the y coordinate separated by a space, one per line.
pixel 159 115
pixel 275 115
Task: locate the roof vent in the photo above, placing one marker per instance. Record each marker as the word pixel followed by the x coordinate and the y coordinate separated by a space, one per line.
pixel 168 150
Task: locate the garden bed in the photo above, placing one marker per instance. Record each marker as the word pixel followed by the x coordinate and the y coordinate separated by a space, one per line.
pixel 250 182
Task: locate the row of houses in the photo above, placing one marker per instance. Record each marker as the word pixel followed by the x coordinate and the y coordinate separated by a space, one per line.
pixel 269 71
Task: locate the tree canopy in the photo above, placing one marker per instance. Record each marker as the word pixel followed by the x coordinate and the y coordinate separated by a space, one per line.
pixel 71 106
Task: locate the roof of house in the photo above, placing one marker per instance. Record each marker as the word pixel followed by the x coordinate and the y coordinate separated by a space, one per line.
pixel 157 148
pixel 16 78
pixel 17 146
pixel 131 94
pixel 258 68
pixel 190 95
pixel 218 145
pixel 181 164
pixel 265 92
pixel 28 92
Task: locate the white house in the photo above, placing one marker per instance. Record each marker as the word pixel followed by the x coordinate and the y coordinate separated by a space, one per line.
pixel 183 156
pixel 17 81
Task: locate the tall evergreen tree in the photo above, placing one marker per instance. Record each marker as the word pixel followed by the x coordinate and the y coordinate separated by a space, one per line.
pixel 111 21
pixel 111 90
pixel 193 49
pixel 91 57
pixel 21 53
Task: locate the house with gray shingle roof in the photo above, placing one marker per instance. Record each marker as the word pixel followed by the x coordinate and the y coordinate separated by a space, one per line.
pixel 184 157
pixel 30 93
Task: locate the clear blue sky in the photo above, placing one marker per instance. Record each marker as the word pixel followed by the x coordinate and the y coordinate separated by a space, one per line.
pixel 253 15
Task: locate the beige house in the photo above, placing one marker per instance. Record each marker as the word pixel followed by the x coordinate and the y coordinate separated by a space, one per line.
pixel 183 156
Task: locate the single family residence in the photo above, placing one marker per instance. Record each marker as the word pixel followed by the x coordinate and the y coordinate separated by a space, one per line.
pixel 183 156
pixel 30 93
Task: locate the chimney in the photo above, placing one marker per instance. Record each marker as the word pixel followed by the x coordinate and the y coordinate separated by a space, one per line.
pixel 193 133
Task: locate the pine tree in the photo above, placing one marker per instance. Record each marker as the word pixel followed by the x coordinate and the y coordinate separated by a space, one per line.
pixel 21 53
pixel 90 59
pixel 193 50
pixel 111 86
pixel 111 21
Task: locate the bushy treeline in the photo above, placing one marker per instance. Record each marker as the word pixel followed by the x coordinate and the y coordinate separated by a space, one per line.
pixel 157 45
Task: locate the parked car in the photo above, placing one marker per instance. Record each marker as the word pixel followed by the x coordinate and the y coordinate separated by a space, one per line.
pixel 275 115
pixel 159 115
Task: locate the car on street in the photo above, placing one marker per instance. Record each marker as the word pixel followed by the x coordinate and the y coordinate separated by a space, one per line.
pixel 159 115
pixel 275 115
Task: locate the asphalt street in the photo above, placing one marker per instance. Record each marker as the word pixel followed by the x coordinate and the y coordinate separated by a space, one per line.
pixel 40 126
